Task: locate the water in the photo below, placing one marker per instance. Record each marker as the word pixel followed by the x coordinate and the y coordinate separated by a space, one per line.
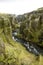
pixel 30 47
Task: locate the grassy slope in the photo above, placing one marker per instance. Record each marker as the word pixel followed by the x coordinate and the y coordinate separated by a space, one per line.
pixel 16 54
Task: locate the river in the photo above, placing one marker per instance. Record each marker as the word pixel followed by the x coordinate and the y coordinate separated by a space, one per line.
pixel 32 48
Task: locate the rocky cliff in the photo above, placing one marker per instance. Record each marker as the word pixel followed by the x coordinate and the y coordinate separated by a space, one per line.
pixel 31 27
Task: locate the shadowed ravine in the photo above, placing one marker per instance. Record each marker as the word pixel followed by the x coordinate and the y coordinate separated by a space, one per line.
pixel 32 48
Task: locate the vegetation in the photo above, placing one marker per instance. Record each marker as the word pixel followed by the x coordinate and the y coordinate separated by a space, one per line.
pixel 30 29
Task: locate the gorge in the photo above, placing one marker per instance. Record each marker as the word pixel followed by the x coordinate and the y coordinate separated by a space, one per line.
pixel 21 38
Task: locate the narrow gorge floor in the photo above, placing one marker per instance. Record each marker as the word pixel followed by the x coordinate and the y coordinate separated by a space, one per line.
pixel 32 48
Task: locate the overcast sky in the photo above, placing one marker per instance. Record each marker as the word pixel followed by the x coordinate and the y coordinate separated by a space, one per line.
pixel 19 6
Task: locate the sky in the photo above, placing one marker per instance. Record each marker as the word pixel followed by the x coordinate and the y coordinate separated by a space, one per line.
pixel 19 6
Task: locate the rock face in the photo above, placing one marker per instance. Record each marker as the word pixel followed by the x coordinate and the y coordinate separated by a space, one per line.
pixel 31 29
pixel 2 46
pixel 2 51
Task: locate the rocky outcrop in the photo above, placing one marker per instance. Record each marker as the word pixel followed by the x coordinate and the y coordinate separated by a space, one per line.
pixel 31 28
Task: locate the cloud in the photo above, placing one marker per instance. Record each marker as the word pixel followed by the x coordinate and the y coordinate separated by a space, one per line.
pixel 19 6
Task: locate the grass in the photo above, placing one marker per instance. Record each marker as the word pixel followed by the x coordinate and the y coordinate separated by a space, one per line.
pixel 17 54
